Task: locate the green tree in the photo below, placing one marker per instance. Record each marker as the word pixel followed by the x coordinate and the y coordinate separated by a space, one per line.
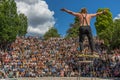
pixel 11 24
pixel 9 20
pixel 73 31
pixel 52 32
pixel 23 25
pixel 115 42
pixel 104 26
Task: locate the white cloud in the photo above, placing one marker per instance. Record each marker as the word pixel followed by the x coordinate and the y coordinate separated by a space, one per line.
pixel 117 17
pixel 40 18
pixel 28 1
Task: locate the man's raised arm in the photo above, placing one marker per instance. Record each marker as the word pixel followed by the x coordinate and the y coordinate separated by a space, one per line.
pixel 70 12
pixel 99 13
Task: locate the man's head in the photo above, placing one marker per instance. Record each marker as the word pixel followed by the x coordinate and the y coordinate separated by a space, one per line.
pixel 83 10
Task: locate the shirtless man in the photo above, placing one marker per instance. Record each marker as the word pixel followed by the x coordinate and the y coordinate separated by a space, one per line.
pixel 84 29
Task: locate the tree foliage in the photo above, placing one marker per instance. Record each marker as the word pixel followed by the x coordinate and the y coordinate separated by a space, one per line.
pixel 11 24
pixel 104 26
pixel 52 32
pixel 115 42
pixel 73 31
pixel 22 25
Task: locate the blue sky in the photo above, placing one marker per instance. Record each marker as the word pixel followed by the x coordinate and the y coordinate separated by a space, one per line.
pixel 63 20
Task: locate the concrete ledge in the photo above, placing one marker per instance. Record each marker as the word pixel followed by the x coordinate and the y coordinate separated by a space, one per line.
pixel 63 78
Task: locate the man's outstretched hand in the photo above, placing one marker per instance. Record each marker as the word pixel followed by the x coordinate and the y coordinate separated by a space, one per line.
pixel 63 9
pixel 104 11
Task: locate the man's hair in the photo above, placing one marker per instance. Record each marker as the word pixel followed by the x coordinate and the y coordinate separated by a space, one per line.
pixel 83 10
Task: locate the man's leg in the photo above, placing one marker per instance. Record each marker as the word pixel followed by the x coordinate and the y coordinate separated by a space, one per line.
pixel 91 42
pixel 81 45
pixel 81 39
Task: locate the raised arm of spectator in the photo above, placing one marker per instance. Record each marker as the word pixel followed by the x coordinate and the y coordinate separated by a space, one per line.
pixel 70 12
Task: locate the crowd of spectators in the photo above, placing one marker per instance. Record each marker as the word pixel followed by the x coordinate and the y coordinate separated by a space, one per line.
pixel 34 57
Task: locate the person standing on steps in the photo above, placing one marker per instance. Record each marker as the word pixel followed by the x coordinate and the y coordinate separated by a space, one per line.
pixel 84 29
